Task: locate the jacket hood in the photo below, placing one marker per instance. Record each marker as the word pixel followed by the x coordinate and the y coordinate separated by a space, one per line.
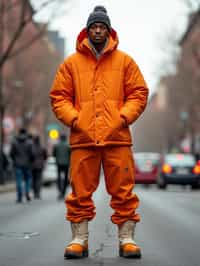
pixel 83 46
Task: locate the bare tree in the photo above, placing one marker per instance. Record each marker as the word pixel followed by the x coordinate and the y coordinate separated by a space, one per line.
pixel 192 5
pixel 24 20
pixel 22 13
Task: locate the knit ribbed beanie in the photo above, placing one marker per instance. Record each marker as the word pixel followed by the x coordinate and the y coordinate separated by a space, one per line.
pixel 99 14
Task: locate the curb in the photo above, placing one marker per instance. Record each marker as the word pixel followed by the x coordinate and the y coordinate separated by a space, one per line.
pixel 7 188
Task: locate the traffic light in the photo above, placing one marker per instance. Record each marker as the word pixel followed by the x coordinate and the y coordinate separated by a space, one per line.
pixel 53 134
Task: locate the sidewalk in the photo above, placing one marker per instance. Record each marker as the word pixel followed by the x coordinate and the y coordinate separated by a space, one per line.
pixel 8 187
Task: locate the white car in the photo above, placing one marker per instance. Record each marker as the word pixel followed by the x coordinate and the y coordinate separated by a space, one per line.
pixel 50 171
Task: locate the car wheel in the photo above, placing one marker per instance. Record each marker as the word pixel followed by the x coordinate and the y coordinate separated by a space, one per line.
pixel 195 186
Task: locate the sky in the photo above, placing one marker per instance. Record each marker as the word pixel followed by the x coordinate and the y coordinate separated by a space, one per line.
pixel 142 26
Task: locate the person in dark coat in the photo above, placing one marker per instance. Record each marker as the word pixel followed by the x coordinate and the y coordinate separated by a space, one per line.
pixel 22 154
pixel 4 163
pixel 40 156
pixel 61 152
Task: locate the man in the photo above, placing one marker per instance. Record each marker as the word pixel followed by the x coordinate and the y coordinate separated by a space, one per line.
pixel 98 92
pixel 4 164
pixel 22 155
pixel 40 156
pixel 61 152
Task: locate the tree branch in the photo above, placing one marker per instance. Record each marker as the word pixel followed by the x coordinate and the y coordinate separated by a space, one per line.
pixel 12 43
pixel 28 44
pixel 23 23
pixel 10 6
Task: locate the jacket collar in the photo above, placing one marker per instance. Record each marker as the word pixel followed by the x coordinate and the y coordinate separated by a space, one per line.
pixel 83 45
pixel 95 52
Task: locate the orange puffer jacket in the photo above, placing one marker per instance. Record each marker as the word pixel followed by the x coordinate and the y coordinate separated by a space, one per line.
pixel 98 93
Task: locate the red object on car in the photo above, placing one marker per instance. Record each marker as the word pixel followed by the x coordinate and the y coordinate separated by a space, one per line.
pixel 146 167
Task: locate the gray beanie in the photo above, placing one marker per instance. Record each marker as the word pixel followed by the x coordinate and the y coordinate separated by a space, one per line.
pixel 99 14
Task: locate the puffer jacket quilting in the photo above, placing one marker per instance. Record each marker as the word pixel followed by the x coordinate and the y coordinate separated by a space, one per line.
pixel 98 93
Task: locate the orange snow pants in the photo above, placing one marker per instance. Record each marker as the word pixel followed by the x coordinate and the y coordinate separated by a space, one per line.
pixel 118 166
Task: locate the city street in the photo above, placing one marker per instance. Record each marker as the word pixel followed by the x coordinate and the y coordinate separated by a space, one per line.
pixel 83 87
pixel 35 233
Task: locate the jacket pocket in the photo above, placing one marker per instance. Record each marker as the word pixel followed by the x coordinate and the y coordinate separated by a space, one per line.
pixel 115 123
pixel 82 132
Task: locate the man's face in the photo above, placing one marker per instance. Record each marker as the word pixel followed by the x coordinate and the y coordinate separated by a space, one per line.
pixel 98 33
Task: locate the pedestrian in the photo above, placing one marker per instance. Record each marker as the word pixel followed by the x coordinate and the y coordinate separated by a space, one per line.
pixel 22 154
pixel 61 152
pixel 98 92
pixel 4 164
pixel 39 158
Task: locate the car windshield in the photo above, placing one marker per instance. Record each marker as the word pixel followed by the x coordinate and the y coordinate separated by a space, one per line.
pixel 180 159
pixel 146 160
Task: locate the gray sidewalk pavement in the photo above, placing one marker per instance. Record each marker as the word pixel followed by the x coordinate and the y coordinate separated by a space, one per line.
pixel 7 187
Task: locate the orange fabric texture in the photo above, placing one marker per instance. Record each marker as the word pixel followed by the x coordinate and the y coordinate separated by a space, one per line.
pixel 98 93
pixel 118 166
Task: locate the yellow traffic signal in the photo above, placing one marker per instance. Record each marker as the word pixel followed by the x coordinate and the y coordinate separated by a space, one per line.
pixel 54 134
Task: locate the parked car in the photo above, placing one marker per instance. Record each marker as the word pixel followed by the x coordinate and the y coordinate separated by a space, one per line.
pixel 146 167
pixel 50 171
pixel 179 168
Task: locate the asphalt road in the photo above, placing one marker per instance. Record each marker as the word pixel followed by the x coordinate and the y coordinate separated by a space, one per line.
pixel 35 233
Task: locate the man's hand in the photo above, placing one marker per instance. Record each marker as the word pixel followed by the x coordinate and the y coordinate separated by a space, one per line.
pixel 74 123
pixel 123 121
